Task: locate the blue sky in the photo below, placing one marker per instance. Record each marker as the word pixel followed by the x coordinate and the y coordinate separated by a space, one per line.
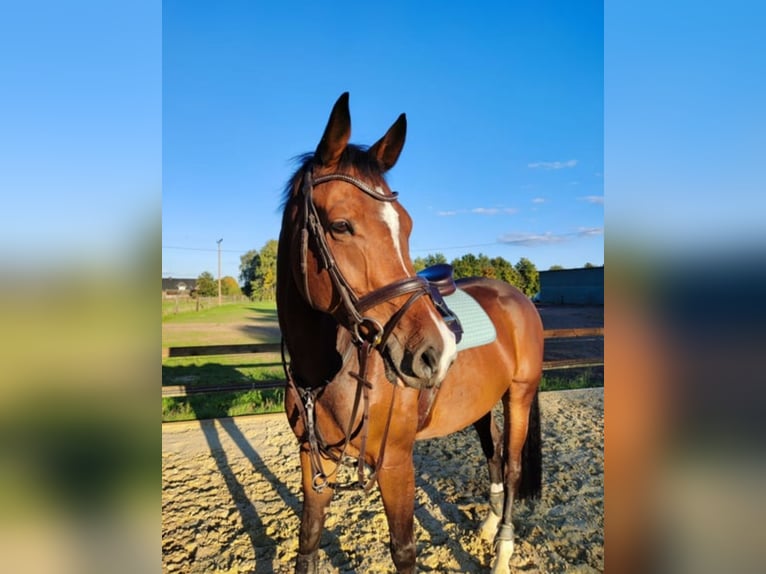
pixel 686 125
pixel 504 102
pixel 80 131
pixel 108 130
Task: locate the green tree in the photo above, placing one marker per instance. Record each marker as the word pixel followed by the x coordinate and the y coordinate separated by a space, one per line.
pixel 505 271
pixel 421 263
pixel 530 278
pixel 484 267
pixel 258 272
pixel 266 277
pixel 466 266
pixel 229 286
pixel 207 286
pixel 589 265
pixel 555 268
pixel 248 270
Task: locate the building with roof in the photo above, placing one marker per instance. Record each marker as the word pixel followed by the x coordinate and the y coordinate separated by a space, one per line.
pixel 178 286
pixel 582 286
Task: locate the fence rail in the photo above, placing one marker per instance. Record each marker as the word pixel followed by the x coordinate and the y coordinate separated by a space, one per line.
pixel 172 304
pixel 263 348
pixel 173 391
pixel 205 350
pixel 573 333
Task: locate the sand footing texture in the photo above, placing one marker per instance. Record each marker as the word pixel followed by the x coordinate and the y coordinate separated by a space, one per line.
pixel 231 500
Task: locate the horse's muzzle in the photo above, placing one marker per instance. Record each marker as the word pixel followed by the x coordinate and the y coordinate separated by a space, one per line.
pixel 423 365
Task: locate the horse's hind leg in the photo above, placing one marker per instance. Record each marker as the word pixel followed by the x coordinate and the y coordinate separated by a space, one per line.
pixel 312 519
pixel 517 406
pixel 490 438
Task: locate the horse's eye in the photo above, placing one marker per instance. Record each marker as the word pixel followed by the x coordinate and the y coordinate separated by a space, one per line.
pixel 341 227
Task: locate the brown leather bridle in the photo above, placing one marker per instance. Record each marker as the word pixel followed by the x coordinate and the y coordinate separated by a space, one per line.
pixel 367 334
pixel 362 328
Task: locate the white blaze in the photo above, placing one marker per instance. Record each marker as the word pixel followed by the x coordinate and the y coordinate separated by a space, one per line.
pixel 391 218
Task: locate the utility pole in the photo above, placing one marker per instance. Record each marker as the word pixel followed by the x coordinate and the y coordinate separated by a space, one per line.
pixel 219 270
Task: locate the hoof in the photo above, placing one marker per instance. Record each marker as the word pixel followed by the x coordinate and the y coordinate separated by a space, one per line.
pixel 307 563
pixel 503 553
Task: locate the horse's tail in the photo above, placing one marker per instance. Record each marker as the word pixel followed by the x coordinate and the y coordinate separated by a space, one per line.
pixel 530 485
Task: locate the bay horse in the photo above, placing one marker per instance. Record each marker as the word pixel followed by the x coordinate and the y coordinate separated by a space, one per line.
pixel 373 366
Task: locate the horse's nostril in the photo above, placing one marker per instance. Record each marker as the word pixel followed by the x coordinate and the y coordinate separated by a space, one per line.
pixel 429 360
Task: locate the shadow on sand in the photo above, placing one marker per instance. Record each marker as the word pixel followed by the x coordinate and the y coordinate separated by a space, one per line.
pixel 264 547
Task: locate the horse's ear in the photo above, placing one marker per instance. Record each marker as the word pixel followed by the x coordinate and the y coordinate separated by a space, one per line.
pixel 336 134
pixel 387 149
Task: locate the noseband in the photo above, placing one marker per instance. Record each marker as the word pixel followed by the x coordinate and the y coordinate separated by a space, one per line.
pixel 362 328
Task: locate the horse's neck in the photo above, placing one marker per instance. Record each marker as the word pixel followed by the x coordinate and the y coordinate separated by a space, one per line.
pixel 310 337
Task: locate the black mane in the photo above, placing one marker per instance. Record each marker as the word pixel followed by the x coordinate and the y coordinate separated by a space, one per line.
pixel 354 158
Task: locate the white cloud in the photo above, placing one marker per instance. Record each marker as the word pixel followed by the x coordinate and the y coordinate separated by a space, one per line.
pixel 552 164
pixel 548 238
pixel 590 231
pixel 598 199
pixel 539 200
pixel 478 211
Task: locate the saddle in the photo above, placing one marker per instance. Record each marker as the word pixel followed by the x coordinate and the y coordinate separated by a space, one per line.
pixel 440 277
pixel 442 284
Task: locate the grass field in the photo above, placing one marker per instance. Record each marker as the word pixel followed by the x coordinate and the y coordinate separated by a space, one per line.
pixel 233 323
pixel 228 312
pixel 216 405
pixel 230 324
pixel 583 378
pixel 172 305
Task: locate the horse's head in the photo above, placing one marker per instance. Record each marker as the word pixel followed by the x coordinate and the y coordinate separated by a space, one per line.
pixel 347 240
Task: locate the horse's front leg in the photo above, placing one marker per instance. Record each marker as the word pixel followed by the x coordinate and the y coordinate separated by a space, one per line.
pixel 312 519
pixel 397 489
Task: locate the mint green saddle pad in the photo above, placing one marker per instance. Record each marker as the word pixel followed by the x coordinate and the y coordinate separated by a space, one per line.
pixel 477 326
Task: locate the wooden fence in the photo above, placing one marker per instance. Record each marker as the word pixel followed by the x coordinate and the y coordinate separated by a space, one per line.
pixel 174 304
pixel 263 348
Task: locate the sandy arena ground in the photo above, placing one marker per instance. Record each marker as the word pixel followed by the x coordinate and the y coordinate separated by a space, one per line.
pixel 231 499
pixel 231 494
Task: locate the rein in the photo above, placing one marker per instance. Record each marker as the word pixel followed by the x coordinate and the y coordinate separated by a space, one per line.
pixel 367 335
pixel 306 402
